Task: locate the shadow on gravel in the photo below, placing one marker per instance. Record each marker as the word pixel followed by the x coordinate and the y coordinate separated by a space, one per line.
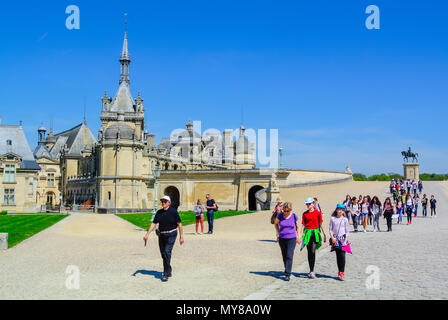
pixel 274 274
pixel 267 240
pixel 325 276
pixel 155 274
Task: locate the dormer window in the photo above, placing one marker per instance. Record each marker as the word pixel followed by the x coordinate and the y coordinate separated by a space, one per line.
pixel 9 142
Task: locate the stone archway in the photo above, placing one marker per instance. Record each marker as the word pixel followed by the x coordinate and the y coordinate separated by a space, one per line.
pixel 252 201
pixel 174 194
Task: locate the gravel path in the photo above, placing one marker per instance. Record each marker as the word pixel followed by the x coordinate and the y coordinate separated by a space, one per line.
pixel 238 260
pixel 411 263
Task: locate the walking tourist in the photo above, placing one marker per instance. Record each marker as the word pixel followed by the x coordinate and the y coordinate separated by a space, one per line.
pixel 420 186
pixel 416 200
pixel 211 207
pixel 433 203
pixel 317 205
pixel 278 209
pixel 400 210
pixel 312 226
pixel 375 209
pixel 354 211
pixel 365 208
pixel 339 237
pixel 169 221
pixel 409 208
pixel 425 205
pixel 287 224
pixel 347 203
pixel 199 215
pixel 388 212
pixel 414 186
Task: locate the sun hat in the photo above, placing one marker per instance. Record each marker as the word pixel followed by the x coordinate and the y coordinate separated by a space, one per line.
pixel 340 206
pixel 309 200
pixel 279 199
pixel 166 198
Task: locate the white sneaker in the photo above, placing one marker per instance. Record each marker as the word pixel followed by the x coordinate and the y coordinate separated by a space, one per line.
pixel 365 230
pixel 311 275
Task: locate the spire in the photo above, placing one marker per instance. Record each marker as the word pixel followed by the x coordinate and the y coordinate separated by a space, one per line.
pixel 125 59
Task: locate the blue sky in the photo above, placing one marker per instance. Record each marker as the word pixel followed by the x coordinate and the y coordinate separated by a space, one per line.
pixel 338 93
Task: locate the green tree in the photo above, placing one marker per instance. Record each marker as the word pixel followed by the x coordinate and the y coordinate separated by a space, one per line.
pixel 359 177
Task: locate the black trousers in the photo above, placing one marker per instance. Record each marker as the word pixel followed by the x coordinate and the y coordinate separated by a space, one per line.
pixel 340 259
pixel 433 210
pixel 311 247
pixel 409 215
pixel 166 244
pixel 287 247
pixel 388 216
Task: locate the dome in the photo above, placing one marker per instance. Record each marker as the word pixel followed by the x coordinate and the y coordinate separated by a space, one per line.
pixel 126 132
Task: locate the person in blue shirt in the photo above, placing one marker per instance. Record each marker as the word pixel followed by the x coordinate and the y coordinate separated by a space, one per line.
pixel 433 202
pixel 210 207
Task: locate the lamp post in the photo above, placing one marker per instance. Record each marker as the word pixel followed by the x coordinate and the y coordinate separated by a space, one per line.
pixel 280 150
pixel 156 175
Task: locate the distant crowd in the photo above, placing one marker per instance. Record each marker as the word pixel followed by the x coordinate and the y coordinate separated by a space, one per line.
pixel 363 210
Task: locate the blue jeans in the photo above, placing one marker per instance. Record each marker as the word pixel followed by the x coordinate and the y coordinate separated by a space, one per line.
pixel 425 211
pixel 210 214
pixel 416 210
pixel 400 215
pixel 287 247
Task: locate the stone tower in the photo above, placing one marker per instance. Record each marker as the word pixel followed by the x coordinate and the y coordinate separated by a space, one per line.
pixel 121 182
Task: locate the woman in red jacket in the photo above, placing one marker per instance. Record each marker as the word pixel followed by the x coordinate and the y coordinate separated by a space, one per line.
pixel 312 226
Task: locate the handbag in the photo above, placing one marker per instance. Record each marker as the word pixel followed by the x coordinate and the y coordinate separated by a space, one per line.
pixel 273 217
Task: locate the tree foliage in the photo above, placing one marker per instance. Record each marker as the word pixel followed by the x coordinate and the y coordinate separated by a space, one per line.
pixel 396 176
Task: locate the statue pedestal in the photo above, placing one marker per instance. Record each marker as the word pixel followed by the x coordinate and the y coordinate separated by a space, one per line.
pixel 411 171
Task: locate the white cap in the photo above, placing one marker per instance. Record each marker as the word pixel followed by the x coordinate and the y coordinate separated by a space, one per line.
pixel 309 200
pixel 166 198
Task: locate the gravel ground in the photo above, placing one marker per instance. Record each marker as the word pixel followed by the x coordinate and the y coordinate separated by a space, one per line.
pixel 411 262
pixel 241 258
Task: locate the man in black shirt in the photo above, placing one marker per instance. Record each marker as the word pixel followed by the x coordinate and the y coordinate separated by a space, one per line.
pixel 210 206
pixel 169 220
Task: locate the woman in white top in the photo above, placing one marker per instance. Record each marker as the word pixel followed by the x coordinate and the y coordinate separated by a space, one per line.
pixel 365 207
pixel 199 212
pixel 375 209
pixel 410 207
pixel 354 211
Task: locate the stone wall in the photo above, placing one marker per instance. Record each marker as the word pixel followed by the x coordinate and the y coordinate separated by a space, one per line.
pixel 298 178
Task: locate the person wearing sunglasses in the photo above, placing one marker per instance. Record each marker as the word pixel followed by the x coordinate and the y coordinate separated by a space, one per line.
pixel 169 221
pixel 312 227
pixel 286 224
